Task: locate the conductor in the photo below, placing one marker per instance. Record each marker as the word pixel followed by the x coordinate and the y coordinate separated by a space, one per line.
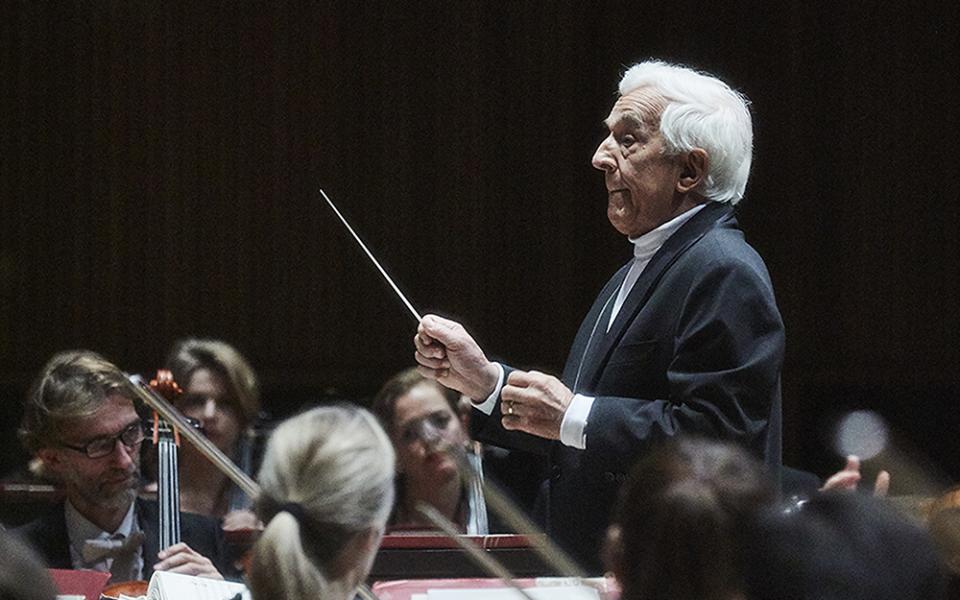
pixel 685 338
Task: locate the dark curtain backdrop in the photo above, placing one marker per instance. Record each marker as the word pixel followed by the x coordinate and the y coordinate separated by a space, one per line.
pixel 160 165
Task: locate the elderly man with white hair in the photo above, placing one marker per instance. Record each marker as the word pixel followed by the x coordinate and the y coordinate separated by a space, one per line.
pixel 686 338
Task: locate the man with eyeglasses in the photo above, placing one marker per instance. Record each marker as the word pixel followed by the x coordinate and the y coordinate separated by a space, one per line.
pixel 80 422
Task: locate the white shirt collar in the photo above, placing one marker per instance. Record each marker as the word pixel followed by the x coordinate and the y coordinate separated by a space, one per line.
pixel 645 246
pixel 80 529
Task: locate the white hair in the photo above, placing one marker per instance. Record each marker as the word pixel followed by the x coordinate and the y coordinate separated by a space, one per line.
pixel 327 477
pixel 701 112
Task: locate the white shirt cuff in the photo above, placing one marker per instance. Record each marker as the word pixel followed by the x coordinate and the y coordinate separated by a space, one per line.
pixel 487 406
pixel 572 428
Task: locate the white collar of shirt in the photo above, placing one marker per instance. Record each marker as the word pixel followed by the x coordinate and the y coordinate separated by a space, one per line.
pixel 574 423
pixel 80 529
pixel 644 247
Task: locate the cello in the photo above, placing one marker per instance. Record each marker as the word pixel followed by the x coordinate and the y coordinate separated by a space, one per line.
pixel 162 406
pixel 166 438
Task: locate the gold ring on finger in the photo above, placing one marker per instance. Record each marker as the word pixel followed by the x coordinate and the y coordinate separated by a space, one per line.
pixel 510 408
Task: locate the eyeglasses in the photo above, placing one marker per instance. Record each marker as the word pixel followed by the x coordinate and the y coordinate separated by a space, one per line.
pixel 103 446
pixel 428 428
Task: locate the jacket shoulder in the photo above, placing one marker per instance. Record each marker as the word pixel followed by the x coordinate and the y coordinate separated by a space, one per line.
pixel 47 534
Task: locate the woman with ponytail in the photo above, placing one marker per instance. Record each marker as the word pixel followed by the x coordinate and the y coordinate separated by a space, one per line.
pixel 326 492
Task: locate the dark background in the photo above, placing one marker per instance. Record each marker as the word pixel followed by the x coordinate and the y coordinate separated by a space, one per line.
pixel 159 168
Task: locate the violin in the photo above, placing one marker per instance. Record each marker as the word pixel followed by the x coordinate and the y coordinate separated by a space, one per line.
pixel 167 439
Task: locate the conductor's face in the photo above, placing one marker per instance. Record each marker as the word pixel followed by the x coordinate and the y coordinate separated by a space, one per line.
pixel 640 178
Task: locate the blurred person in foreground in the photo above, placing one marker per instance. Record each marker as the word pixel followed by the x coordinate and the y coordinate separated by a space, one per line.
pixel 682 519
pixel 326 493
pixel 22 576
pixel 842 547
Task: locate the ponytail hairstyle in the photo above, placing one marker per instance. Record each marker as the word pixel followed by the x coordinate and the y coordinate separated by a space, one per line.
pixel 326 488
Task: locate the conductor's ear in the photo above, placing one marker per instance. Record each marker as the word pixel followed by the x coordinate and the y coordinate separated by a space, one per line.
pixel 693 170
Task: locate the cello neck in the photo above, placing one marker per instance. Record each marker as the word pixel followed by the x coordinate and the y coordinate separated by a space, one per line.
pixel 168 485
pixel 201 443
pixel 168 475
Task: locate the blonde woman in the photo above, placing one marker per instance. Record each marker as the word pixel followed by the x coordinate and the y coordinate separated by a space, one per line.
pixel 326 492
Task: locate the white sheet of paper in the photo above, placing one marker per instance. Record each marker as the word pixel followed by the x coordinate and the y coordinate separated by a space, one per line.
pixel 564 592
pixel 175 586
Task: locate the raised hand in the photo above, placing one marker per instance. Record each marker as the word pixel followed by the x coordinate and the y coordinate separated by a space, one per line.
pixel 447 353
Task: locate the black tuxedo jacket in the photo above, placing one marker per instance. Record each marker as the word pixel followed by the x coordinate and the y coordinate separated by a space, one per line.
pixel 697 347
pixel 48 536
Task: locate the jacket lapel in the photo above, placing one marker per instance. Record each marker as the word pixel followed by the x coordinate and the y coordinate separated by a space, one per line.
pixel 691 232
pixel 590 329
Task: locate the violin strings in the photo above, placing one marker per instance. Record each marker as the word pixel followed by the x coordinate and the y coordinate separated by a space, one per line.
pixel 403 298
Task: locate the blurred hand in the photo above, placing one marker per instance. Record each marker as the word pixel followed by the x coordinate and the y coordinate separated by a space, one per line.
pixel 847 479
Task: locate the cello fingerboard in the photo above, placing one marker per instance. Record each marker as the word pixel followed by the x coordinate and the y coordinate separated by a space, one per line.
pixel 168 492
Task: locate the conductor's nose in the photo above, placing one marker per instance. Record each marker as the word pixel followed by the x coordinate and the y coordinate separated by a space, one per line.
pixel 603 158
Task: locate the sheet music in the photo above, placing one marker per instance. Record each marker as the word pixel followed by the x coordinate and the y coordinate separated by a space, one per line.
pixel 175 586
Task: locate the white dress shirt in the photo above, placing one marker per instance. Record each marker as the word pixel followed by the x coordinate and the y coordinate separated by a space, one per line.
pixel 79 530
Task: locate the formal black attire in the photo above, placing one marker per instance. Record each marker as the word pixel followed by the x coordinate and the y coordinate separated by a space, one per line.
pixel 48 536
pixel 697 347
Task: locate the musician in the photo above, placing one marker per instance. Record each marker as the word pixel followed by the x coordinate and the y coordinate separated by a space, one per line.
pixel 424 422
pixel 686 337
pixel 80 421
pixel 326 492
pixel 222 394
